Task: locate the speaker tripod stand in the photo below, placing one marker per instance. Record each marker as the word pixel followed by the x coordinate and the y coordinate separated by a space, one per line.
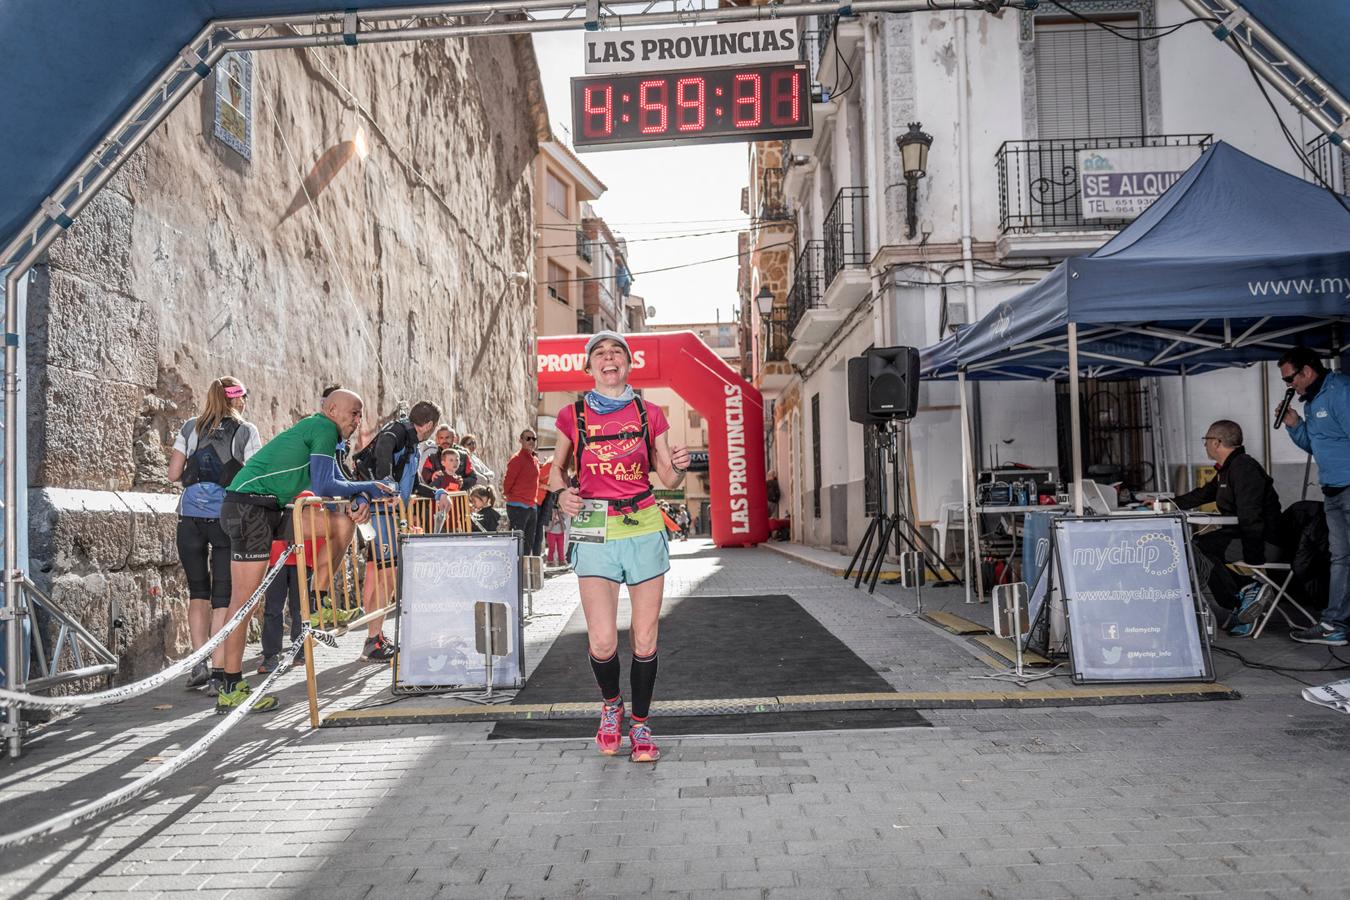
pixel 893 525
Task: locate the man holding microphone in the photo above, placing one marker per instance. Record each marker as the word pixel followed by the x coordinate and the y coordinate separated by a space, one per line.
pixel 1326 435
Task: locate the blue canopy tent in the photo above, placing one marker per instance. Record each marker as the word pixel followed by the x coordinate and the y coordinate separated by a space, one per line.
pixel 1236 263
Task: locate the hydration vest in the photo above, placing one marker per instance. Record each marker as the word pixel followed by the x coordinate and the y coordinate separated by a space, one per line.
pixel 583 439
pixel 407 440
pixel 215 460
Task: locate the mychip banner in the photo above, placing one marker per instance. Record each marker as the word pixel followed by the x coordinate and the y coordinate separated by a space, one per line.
pixel 1128 590
pixel 459 596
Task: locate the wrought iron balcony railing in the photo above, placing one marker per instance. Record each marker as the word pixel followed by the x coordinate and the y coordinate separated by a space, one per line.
pixel 811 49
pixel 845 232
pixel 1038 180
pixel 776 336
pixel 808 287
pixel 772 204
pixel 1332 164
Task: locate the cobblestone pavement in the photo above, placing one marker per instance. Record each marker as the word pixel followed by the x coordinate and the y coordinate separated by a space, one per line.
pixel 1236 799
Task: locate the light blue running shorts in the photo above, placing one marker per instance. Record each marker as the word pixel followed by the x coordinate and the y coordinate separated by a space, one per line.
pixel 624 561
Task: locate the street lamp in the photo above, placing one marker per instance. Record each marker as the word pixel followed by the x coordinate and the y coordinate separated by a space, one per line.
pixel 764 301
pixel 913 145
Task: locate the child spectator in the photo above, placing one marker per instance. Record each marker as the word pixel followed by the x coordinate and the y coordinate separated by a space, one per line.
pixel 556 532
pixel 485 518
pixel 446 475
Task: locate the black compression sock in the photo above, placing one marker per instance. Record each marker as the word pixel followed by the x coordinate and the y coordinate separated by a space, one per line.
pixel 217 673
pixel 607 676
pixel 643 679
pixel 232 680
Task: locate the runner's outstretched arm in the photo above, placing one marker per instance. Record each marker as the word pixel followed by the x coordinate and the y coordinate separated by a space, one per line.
pixel 326 481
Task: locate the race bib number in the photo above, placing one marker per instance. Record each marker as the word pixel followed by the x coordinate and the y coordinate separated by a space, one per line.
pixel 589 525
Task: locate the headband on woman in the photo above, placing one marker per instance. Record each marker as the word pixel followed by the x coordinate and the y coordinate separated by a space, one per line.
pixel 235 391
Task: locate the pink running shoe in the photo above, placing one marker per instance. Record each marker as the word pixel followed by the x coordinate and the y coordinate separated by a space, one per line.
pixel 609 737
pixel 643 748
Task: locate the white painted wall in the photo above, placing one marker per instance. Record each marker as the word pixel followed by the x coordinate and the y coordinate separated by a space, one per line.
pixel 1205 88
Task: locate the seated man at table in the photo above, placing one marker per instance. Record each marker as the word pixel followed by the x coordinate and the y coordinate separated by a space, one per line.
pixel 1241 488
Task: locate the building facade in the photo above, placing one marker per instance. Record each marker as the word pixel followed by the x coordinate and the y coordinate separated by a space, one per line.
pixel 319 217
pixel 564 256
pixel 582 274
pixel 1009 100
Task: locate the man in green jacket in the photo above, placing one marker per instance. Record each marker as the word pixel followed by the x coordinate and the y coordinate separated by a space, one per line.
pixel 254 513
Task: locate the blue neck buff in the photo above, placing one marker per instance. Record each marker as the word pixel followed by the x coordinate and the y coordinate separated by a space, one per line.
pixel 602 405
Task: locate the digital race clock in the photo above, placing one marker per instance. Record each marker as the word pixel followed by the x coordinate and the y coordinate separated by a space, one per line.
pixel 741 103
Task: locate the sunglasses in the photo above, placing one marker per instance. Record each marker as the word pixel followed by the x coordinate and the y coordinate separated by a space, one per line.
pixel 531 438
pixel 1288 379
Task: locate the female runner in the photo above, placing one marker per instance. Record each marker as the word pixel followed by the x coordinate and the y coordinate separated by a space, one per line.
pixel 621 441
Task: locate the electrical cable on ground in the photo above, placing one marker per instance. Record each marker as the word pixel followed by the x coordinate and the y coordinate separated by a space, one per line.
pixel 1287 670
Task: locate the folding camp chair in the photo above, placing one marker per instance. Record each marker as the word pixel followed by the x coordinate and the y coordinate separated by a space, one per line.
pixel 1266 575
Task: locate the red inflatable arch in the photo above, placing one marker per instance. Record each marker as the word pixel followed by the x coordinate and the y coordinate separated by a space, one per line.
pixel 732 406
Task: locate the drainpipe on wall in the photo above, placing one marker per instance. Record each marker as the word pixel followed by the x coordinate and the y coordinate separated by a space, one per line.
pixel 872 134
pixel 963 162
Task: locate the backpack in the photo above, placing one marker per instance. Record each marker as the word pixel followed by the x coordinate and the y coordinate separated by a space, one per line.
pixel 582 440
pixel 216 459
pixel 405 436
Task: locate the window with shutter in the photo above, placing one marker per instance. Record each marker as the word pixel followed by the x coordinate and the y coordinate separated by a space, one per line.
pixel 555 192
pixel 558 282
pixel 1089 82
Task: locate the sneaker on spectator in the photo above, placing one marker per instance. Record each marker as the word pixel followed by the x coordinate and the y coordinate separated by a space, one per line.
pixel 641 746
pixel 1256 600
pixel 1241 630
pixel 609 736
pixel 198 675
pixel 229 701
pixel 378 648
pixel 269 664
pixel 214 685
pixel 1321 633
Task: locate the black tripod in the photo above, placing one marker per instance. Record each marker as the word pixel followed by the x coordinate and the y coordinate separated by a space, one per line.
pixel 893 525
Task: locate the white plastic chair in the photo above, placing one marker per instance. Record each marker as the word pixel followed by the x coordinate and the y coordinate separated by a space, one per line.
pixel 945 524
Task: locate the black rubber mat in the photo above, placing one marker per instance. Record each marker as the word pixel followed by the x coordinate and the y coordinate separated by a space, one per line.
pixel 745 723
pixel 714 648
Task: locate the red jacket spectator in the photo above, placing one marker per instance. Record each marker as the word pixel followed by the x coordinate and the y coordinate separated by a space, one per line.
pixel 522 478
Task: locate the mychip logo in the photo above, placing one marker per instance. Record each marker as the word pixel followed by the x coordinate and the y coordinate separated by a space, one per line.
pixel 1156 553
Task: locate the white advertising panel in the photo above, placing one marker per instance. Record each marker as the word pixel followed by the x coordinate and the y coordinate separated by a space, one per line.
pixel 704 47
pixel 450 586
pixel 1122 182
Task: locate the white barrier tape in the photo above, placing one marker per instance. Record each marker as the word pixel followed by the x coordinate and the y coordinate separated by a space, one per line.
pixel 333 633
pixel 159 679
pixel 123 794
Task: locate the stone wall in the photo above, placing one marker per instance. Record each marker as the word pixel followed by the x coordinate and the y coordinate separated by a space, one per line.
pixel 303 266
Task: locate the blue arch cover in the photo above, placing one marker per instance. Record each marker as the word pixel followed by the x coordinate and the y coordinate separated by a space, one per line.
pixel 70 69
